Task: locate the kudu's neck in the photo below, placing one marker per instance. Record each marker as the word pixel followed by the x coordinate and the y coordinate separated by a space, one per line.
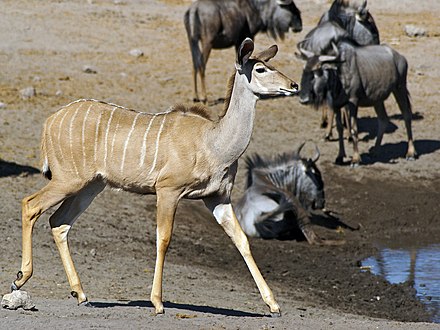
pixel 234 129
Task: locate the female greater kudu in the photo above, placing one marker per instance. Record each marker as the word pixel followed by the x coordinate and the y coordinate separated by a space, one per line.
pixel 89 144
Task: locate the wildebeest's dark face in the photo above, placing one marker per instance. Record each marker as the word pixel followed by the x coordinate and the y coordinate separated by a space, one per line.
pixel 312 186
pixel 313 83
pixel 287 16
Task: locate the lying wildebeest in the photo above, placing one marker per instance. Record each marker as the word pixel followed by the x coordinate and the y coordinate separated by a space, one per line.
pixel 280 193
pixel 222 24
pixel 360 76
pixel 344 20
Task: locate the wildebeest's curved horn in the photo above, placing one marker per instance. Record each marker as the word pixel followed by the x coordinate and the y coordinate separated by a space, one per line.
pixel 330 58
pixel 298 150
pixel 315 157
pixel 284 2
pixel 306 53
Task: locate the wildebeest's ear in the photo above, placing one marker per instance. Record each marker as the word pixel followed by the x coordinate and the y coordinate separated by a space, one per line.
pixel 267 54
pixel 244 52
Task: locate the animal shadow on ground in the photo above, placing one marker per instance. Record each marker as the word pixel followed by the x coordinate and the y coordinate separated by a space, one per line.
pixel 10 169
pixel 369 125
pixel 167 304
pixel 388 153
pixel 330 221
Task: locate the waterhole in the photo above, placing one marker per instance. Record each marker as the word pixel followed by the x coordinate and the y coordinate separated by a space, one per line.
pixel 419 265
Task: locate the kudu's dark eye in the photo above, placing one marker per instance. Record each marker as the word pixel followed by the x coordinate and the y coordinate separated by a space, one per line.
pixel 260 70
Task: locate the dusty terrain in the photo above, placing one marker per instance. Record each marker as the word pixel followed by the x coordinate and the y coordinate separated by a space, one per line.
pixel 47 44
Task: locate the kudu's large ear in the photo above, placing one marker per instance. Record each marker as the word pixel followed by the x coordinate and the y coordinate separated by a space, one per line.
pixel 267 54
pixel 244 52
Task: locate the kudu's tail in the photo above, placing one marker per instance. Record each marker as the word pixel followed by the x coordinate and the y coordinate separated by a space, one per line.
pixel 45 169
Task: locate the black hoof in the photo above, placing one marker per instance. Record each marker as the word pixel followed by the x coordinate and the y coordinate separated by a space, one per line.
pixel 86 304
pixel 14 287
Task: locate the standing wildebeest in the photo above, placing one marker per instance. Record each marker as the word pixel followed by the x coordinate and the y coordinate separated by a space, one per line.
pixel 344 20
pixel 88 145
pixel 279 194
pixel 360 76
pixel 222 24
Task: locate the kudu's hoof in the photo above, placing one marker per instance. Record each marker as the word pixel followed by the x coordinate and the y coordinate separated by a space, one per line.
pixel 275 314
pixel 86 304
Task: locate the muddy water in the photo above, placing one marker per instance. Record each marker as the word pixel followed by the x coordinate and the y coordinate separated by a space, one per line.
pixel 418 264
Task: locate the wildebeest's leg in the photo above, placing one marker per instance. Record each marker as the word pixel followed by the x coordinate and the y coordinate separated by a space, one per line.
pixel 340 129
pixel 327 121
pixel 402 98
pixel 167 201
pixel 61 222
pixel 32 208
pixel 383 120
pixel 353 128
pixel 225 216
pixel 206 50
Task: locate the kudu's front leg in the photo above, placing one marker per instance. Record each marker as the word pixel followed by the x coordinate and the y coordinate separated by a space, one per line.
pixel 225 216
pixel 166 209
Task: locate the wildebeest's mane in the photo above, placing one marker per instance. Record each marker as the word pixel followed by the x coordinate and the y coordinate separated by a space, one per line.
pixel 278 169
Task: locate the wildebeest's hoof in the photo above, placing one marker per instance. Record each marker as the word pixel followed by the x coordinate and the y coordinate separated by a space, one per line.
pixel 339 160
pixel 354 164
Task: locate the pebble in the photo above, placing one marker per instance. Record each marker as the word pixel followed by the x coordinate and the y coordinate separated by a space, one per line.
pixel 136 52
pixel 17 299
pixel 27 93
pixel 415 31
pixel 89 69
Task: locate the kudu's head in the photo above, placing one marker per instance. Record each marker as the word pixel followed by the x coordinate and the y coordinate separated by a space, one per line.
pixel 263 79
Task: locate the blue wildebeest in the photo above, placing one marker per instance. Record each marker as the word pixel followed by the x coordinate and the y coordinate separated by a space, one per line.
pixel 280 193
pixel 218 24
pixel 360 76
pixel 344 20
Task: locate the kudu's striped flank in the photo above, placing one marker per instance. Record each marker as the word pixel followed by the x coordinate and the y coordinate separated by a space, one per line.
pixel 180 153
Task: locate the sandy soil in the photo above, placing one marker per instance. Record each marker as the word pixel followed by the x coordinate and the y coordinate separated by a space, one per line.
pixel 47 44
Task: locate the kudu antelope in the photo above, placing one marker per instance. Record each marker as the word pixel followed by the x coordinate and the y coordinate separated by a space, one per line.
pixel 88 145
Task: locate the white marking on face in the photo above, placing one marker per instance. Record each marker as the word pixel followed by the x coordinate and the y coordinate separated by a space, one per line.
pixel 83 136
pixel 106 136
pixel 127 140
pixel 157 145
pixel 144 142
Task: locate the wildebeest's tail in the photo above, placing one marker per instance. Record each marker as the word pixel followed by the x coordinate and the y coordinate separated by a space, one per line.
pixel 192 26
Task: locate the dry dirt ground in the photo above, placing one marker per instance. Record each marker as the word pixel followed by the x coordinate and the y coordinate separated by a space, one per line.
pixel 47 44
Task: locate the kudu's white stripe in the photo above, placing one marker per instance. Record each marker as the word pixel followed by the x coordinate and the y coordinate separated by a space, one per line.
pixel 144 142
pixel 114 137
pixel 106 137
pixel 66 111
pixel 157 145
pixel 49 128
pixel 71 140
pixel 98 123
pixel 127 140
pixel 83 136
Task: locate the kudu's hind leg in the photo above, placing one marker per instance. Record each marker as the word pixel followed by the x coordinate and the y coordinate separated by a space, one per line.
pixel 166 209
pixel 226 217
pixel 32 208
pixel 61 222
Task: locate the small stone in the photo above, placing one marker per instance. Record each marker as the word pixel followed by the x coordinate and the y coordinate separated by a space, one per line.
pixel 136 52
pixel 2 105
pixel 415 31
pixel 17 299
pixel 89 69
pixel 27 93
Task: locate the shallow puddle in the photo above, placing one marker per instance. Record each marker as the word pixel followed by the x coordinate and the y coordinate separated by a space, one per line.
pixel 421 265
